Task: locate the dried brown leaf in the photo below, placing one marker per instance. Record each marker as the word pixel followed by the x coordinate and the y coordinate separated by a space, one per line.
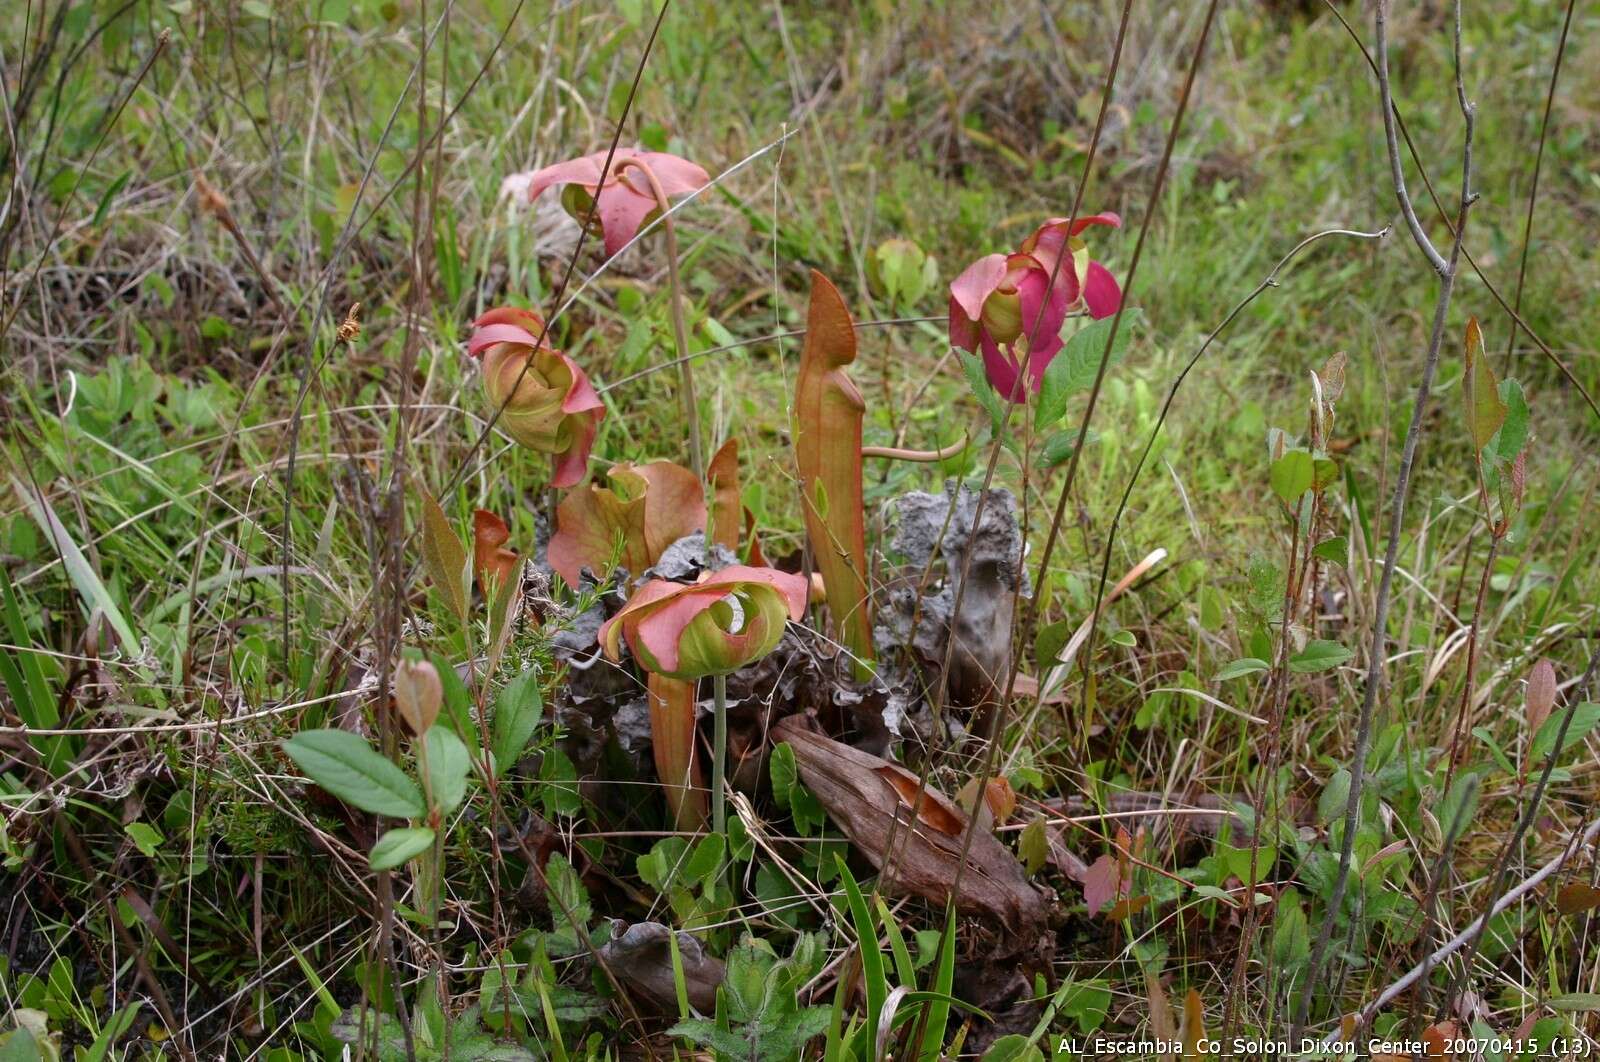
pixel 864 796
pixel 1541 695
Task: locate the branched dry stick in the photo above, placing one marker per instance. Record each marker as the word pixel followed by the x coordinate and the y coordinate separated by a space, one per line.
pixel 1397 506
pixel 1489 285
pixel 1503 864
pixel 1455 943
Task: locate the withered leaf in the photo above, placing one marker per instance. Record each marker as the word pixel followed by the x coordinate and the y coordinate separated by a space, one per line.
pixel 864 796
pixel 640 957
pixel 931 813
pixel 1576 898
pixel 1541 696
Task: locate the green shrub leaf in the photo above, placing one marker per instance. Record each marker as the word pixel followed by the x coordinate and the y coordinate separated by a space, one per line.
pixel 349 768
pixel 399 846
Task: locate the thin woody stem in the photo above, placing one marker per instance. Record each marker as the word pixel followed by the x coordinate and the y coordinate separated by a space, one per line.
pixel 691 406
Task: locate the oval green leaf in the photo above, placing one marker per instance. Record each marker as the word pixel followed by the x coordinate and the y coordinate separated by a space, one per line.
pixel 349 768
pixel 400 845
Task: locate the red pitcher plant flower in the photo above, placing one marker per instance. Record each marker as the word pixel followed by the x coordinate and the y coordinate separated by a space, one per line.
pixel 1006 305
pixel 547 402
pixel 714 627
pixel 626 199
pixel 683 632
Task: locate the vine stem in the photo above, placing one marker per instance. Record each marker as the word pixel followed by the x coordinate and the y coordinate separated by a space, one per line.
pixel 691 406
pixel 719 753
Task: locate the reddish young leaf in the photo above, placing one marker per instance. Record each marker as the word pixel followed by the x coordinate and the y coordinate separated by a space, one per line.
pixel 492 562
pixel 726 512
pixel 1541 695
pixel 1102 883
pixel 827 446
pixel 646 509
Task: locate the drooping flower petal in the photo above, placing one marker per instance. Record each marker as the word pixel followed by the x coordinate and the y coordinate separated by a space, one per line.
pixel 621 212
pixel 1101 293
pixel 1003 372
pixel 678 176
pixel 968 292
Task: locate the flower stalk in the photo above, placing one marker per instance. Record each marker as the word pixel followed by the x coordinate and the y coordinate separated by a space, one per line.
pixel 691 405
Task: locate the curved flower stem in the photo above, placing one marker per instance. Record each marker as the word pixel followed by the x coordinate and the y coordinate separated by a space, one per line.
pixel 719 754
pixel 691 406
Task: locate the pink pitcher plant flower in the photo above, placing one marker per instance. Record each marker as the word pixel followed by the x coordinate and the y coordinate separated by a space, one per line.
pixel 999 296
pixel 714 627
pixel 626 199
pixel 546 401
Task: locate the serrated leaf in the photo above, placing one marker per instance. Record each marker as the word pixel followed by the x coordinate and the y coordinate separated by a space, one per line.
pixel 1486 411
pixel 448 765
pixel 444 556
pixel 400 846
pixel 352 770
pixel 517 711
pixel 1292 475
pixel 1248 665
pixel 972 368
pixel 1319 655
pixel 1074 368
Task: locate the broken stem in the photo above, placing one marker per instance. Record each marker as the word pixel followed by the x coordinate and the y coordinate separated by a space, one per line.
pixel 691 406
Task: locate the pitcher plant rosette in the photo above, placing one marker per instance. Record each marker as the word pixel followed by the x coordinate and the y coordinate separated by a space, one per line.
pixel 1006 305
pixel 546 402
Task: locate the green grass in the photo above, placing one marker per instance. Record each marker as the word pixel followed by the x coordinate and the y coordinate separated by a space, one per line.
pixel 151 382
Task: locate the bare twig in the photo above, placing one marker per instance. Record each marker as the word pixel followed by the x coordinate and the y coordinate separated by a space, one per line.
pixel 1402 488
pixel 1529 813
pixel 1455 943
pixel 1396 171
